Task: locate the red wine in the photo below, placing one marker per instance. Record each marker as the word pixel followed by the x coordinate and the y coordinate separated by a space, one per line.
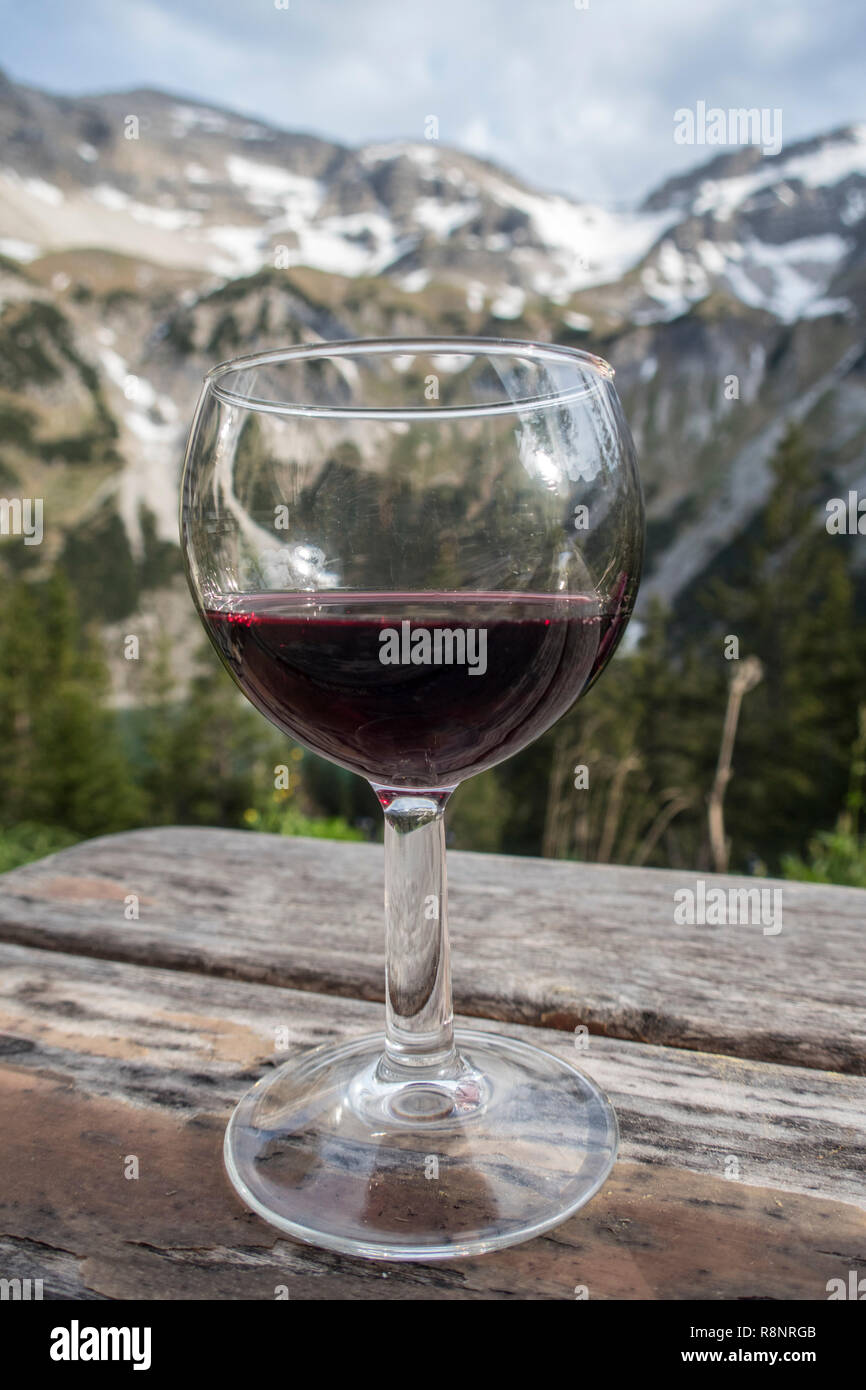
pixel 414 690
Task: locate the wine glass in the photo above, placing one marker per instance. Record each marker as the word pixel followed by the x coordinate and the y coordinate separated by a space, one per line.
pixel 413 556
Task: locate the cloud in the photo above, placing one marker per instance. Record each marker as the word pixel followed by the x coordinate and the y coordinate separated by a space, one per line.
pixel 576 99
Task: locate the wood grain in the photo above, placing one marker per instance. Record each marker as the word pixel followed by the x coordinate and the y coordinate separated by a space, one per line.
pixel 102 1059
pixel 535 941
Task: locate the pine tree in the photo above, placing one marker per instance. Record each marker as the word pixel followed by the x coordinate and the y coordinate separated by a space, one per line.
pixel 208 757
pixel 790 601
pixel 63 761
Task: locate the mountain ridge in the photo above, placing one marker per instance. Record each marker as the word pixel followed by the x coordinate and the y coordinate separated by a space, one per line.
pixel 200 185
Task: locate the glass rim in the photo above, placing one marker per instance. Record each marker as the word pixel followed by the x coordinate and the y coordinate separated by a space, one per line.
pixel 434 347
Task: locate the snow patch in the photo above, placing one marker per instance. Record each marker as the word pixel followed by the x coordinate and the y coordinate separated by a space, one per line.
pixel 37 188
pixel 674 281
pixel 783 279
pixel 819 307
pixel 18 250
pixel 361 243
pixel 475 291
pixel 855 207
pixel 151 470
pixel 508 303
pixel 787 278
pixel 594 246
pixel 426 157
pixel 185 119
pixel 581 323
pixel 270 185
pixel 243 249
pixel 821 169
pixel 451 362
pixel 168 219
pixel 196 173
pixel 443 218
pixel 415 281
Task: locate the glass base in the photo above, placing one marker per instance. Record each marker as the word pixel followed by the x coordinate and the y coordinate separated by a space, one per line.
pixel 344 1149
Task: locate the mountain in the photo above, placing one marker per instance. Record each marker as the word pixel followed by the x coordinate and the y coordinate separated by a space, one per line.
pixel 188 186
pixel 144 236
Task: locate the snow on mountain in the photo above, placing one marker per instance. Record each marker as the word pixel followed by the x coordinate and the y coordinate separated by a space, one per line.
pixel 834 160
pixel 285 218
pixel 789 279
pixel 772 231
pixel 156 433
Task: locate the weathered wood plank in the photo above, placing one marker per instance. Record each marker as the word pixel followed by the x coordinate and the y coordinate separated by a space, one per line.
pixel 535 941
pixel 100 1060
pixel 29 1260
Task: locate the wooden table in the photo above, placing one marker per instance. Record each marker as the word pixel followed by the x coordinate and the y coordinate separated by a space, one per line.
pixel 735 1060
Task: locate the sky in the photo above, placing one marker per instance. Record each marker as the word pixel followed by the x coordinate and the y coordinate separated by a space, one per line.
pixel 578 100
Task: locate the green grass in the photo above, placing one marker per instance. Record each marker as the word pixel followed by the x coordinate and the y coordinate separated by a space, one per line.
pixel 20 844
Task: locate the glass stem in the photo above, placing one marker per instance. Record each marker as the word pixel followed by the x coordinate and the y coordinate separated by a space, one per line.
pixel 419 1035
